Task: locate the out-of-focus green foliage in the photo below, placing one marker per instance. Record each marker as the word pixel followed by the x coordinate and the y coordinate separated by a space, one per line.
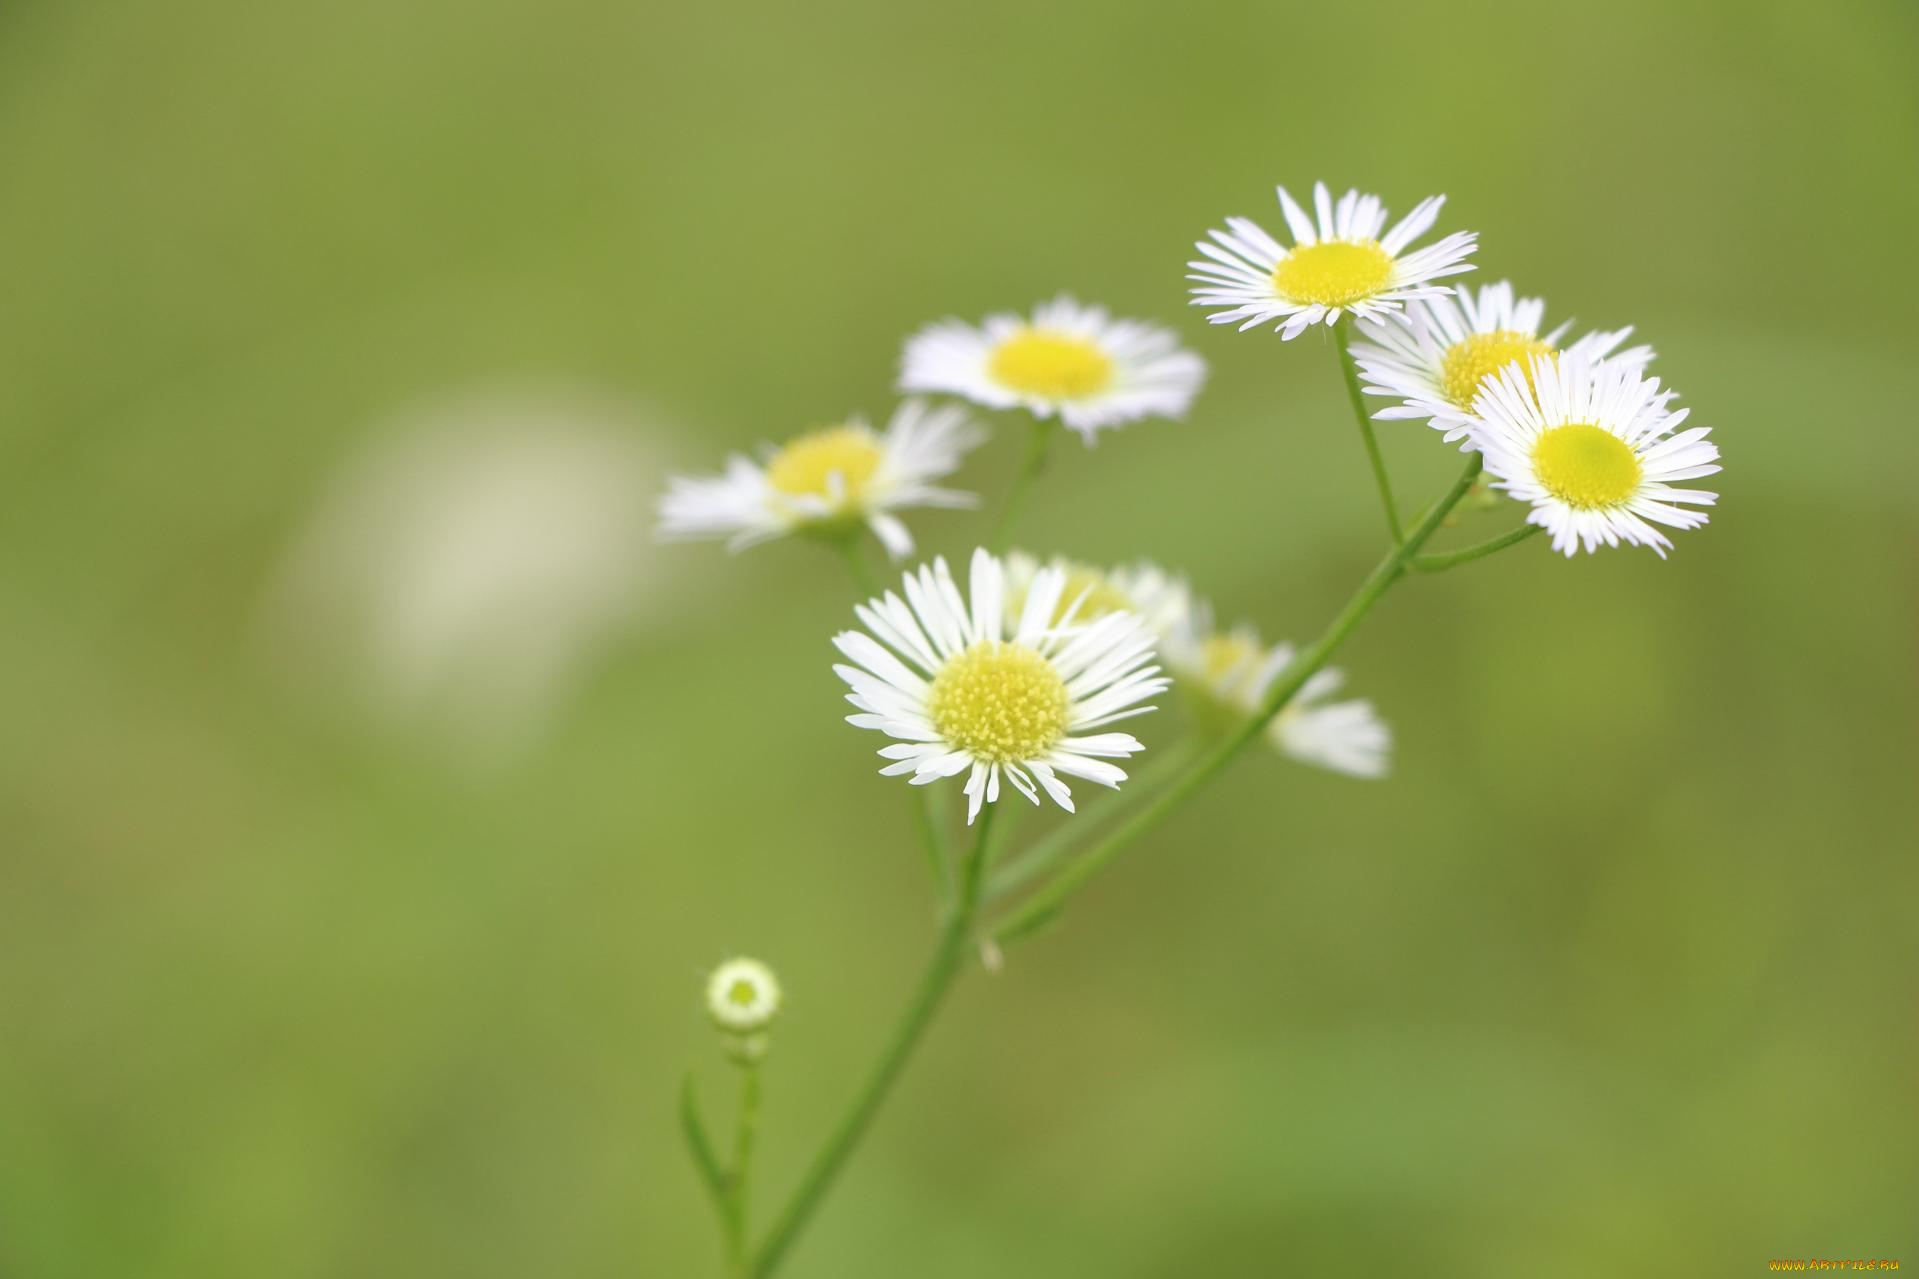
pixel 1616 974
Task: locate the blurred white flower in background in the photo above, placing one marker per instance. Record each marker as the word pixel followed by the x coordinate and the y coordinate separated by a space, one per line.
pixel 461 572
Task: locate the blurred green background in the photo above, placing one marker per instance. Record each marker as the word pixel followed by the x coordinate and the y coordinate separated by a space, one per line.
pixel 1617 972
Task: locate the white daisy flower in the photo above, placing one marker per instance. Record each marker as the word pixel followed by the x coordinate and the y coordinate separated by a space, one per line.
pixel 1341 264
pixel 1070 361
pixel 961 697
pixel 1156 595
pixel 1592 449
pixel 742 996
pixel 829 480
pixel 1230 674
pixel 1449 347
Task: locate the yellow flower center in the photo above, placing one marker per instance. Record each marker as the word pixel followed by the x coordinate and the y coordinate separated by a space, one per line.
pixel 742 992
pixel 1051 366
pixel 1230 655
pixel 1469 363
pixel 1001 702
pixel 805 465
pixel 1586 467
pixel 1333 272
pixel 1102 597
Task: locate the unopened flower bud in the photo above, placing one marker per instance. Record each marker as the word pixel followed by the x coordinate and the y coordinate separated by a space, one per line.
pixel 742 997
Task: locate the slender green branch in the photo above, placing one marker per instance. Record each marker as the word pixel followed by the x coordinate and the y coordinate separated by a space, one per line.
pixel 1342 335
pixel 1451 559
pixel 974 872
pixel 931 811
pixel 739 1177
pixel 1052 896
pixel 1049 850
pixel 1031 464
pixel 1003 825
pixel 949 954
pixel 853 554
pixel 696 1142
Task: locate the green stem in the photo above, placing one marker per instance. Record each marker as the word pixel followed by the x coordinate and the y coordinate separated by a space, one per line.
pixel 1452 559
pixel 740 1175
pixel 1031 465
pixel 956 937
pixel 931 811
pixel 1049 850
pixel 1003 824
pixel 1050 898
pixel 1342 335
pixel 854 557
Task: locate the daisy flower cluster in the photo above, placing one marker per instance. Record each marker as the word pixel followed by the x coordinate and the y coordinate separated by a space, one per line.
pixel 1066 362
pixel 1575 429
pixel 1029 678
pixel 1008 691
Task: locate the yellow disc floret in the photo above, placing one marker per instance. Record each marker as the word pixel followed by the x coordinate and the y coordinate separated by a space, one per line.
pixel 1333 272
pixel 1001 702
pixel 1085 584
pixel 1230 662
pixel 1586 467
pixel 1096 596
pixel 1052 366
pixel 1470 362
pixel 805 466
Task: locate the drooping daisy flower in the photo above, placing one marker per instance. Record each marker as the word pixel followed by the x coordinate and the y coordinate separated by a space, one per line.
pixel 1158 597
pixel 1070 361
pixel 1592 449
pixel 1341 264
pixel 1230 673
pixel 1346 737
pixel 961 697
pixel 1450 347
pixel 829 480
pixel 742 996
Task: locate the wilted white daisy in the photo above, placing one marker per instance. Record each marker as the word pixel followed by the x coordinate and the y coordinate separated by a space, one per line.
pixel 830 479
pixel 1592 449
pixel 1230 673
pixel 1071 361
pixel 1157 596
pixel 1341 264
pixel 742 996
pixel 943 677
pixel 1448 347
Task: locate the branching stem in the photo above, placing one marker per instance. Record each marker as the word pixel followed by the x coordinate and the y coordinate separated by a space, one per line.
pixel 1053 895
pixel 1452 559
pixel 1342 336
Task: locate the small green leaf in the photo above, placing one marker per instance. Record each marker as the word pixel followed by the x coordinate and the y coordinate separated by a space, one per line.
pixel 1031 925
pixel 696 1141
